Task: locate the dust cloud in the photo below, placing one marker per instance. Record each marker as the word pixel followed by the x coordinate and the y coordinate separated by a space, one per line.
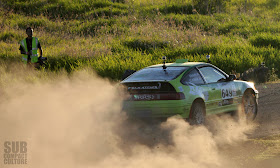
pixel 77 121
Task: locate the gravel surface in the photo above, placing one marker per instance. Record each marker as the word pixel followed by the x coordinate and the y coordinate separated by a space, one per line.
pixel 268 121
pixel 268 116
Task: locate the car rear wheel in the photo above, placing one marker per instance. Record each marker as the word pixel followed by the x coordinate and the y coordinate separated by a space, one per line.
pixel 197 113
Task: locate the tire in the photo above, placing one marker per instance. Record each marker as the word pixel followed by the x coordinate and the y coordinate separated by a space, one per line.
pixel 249 107
pixel 197 113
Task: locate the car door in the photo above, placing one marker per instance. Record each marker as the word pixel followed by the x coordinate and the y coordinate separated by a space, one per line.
pixel 195 86
pixel 218 88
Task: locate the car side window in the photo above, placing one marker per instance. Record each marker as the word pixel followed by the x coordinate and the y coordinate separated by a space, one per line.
pixel 212 75
pixel 192 78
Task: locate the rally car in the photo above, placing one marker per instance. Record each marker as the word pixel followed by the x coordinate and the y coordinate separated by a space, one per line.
pixel 191 90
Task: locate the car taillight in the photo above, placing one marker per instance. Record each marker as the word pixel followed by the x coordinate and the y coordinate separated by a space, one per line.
pixel 158 96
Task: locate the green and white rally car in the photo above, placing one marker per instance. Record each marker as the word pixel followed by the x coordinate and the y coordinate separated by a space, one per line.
pixel 192 90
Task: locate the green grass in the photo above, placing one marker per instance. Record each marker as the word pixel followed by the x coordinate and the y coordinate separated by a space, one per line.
pixel 266 40
pixel 112 37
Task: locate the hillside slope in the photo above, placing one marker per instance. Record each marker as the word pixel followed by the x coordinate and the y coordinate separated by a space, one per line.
pixel 111 37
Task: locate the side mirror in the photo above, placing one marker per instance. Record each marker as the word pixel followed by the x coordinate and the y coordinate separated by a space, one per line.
pixel 232 77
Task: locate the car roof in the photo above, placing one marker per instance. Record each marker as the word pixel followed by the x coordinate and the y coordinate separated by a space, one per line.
pixel 185 64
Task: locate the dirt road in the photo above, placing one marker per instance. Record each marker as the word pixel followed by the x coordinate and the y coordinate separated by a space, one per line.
pixel 259 151
pixel 268 116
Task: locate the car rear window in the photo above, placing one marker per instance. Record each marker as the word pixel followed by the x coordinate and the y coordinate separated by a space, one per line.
pixel 156 74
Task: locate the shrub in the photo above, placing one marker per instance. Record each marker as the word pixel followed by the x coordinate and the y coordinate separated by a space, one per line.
pixel 209 6
pixel 9 36
pixel 266 40
pixel 177 9
pixel 145 45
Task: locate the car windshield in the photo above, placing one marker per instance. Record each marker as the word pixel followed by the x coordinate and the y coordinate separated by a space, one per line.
pixel 156 74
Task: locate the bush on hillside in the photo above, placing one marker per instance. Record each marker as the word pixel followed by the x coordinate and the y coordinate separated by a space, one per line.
pixel 266 40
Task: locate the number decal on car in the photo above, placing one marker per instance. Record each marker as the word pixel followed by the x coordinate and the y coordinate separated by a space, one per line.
pixel 228 91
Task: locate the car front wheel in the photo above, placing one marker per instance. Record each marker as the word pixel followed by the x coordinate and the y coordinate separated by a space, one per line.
pixel 249 106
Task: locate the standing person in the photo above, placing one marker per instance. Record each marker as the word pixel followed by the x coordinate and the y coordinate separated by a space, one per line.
pixel 29 48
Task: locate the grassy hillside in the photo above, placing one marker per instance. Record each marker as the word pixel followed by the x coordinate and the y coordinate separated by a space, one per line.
pixel 111 37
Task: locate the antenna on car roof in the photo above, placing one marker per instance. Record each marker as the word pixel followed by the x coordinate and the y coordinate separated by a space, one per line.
pixel 164 61
pixel 208 58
